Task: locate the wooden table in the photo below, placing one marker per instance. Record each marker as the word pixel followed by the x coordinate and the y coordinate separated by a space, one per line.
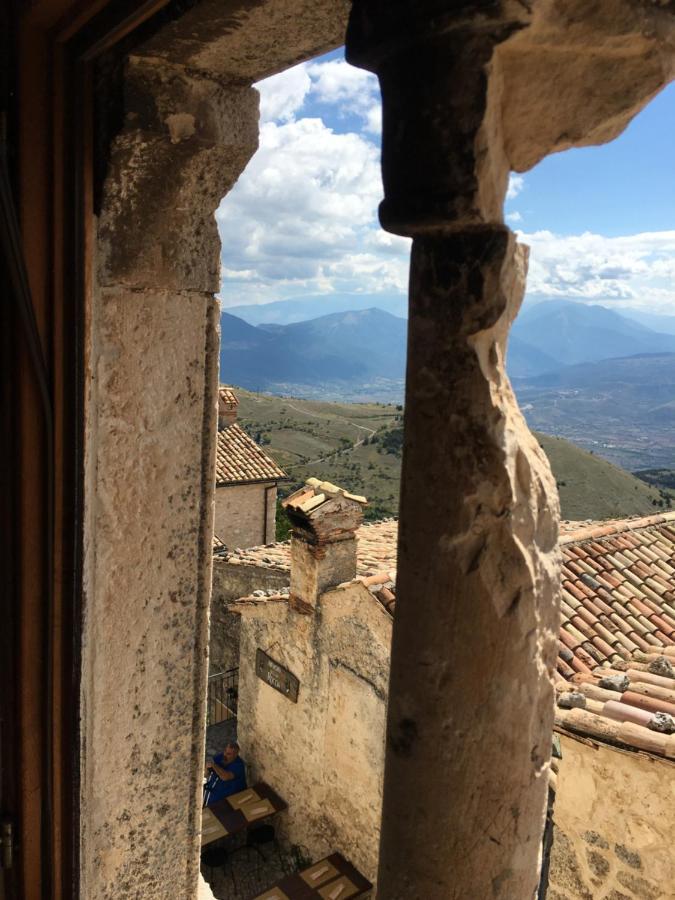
pixel 236 813
pixel 332 878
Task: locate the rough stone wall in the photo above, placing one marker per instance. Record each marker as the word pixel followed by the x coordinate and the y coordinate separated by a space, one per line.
pixel 325 754
pixel 224 639
pixel 149 479
pixel 316 566
pixel 245 514
pixel 231 581
pixel 613 825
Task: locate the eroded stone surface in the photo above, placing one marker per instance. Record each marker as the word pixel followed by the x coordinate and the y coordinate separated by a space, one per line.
pixel 246 40
pixel 475 657
pixel 477 593
pixel 581 72
pixel 612 825
pixel 185 142
pixel 147 587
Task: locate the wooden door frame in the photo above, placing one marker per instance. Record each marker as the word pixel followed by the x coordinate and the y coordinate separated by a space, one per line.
pixel 52 143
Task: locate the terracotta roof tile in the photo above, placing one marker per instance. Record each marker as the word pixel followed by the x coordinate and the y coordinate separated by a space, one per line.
pixel 616 613
pixel 227 396
pixel 376 551
pixel 239 460
pixel 619 579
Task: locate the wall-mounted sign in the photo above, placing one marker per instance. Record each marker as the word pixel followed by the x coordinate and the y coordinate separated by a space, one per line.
pixel 276 676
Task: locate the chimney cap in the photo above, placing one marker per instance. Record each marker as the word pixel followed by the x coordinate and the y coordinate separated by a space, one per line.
pixel 227 398
pixel 227 407
pixel 322 512
pixel 306 500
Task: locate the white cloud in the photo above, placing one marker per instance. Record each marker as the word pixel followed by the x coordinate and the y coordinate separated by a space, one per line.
pixel 516 184
pixel 303 216
pixel 632 270
pixel 303 219
pixel 283 95
pixel 333 83
pixel 350 89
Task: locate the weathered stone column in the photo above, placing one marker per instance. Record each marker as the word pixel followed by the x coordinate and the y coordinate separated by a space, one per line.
pixel 470 705
pixel 149 478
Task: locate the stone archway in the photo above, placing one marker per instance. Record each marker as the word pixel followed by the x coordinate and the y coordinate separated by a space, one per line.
pixel 468 94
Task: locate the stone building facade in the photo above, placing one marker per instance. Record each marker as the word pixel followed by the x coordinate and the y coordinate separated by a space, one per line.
pixel 612 789
pixel 325 752
pixel 238 573
pixel 246 482
pixel 613 816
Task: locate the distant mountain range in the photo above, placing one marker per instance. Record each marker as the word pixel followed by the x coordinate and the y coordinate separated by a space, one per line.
pixel 359 347
pixel 558 333
pixel 286 312
pixel 600 379
pixel 343 355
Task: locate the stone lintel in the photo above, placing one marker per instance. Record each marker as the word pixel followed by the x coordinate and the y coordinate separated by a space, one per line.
pixel 247 40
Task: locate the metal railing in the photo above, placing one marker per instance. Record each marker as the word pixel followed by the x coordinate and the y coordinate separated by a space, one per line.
pixel 221 701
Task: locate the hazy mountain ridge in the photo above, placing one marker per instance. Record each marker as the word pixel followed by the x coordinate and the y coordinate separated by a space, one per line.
pixel 622 407
pixel 288 312
pixel 545 337
pixel 326 355
pixel 571 333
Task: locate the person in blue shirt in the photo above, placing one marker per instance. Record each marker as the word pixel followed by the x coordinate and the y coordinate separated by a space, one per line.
pixel 226 775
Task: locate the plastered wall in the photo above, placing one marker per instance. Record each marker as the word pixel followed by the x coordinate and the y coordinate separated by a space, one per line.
pixel 614 825
pixel 231 581
pixel 245 514
pixel 325 754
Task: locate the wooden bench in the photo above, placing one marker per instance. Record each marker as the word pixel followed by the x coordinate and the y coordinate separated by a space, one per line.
pixel 332 878
pixel 236 813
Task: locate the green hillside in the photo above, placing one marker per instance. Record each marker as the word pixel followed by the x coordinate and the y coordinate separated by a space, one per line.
pixel 358 446
pixel 592 488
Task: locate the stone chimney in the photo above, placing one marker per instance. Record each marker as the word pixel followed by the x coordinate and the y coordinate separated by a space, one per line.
pixel 227 407
pixel 324 519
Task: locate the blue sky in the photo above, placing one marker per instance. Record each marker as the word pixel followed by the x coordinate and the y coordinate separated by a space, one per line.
pixel 624 187
pixel 302 219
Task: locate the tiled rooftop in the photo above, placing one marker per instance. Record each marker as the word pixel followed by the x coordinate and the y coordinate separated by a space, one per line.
pixel 632 705
pixel 617 635
pixel 618 592
pixel 239 460
pixel 618 617
pixel 376 545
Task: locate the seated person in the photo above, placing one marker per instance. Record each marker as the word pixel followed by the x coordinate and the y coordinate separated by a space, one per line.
pixel 225 775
